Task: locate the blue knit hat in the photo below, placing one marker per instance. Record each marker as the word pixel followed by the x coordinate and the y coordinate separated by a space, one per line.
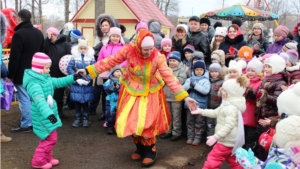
pixel 215 67
pixel 75 34
pixel 175 55
pixel 199 64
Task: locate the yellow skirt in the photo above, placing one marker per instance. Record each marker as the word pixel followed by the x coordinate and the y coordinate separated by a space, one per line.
pixel 145 116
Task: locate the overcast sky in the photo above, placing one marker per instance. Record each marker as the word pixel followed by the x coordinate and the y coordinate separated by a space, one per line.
pixel 197 7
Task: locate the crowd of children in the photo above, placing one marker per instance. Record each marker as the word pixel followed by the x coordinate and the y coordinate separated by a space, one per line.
pixel 236 104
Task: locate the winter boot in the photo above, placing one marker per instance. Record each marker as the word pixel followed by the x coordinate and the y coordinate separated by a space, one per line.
pixel 4 138
pixel 78 120
pixel 59 109
pixel 85 121
pixel 196 142
pixel 110 131
pixel 149 155
pixel 138 154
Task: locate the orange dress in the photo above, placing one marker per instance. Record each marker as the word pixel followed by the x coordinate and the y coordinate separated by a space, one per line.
pixel 142 107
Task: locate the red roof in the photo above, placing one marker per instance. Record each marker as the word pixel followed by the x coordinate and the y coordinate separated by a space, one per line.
pixel 79 10
pixel 146 9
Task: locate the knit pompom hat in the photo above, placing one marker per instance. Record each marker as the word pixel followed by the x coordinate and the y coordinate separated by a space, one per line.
pixel 39 60
pixel 293 56
pixel 259 25
pixel 256 65
pixel 276 62
pixel 166 41
pixel 235 87
pixel 142 24
pixel 75 34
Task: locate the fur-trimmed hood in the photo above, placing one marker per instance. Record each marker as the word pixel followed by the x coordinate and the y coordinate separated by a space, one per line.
pixel 293 68
pixel 3 27
pixel 77 55
pixel 100 18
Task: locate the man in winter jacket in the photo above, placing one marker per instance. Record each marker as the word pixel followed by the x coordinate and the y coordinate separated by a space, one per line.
pixel 198 39
pixel 26 41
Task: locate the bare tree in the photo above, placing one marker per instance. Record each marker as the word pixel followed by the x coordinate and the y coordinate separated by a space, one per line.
pixel 67 11
pixel 16 5
pixel 32 12
pixel 0 4
pixel 5 5
pixel 168 7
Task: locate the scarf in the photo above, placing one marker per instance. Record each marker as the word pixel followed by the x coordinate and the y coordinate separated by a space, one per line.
pixel 240 137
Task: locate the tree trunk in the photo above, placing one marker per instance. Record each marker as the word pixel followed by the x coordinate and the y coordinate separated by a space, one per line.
pixel 16 5
pixel 67 4
pixel 32 12
pixel 167 4
pixel 0 4
pixel 20 6
pixel 5 4
pixel 76 6
pixel 40 12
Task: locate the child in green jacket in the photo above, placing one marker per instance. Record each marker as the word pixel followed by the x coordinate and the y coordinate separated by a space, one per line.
pixel 45 120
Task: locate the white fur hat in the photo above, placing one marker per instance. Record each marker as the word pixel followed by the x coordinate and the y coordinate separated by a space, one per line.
pixel 288 132
pixel 288 102
pixel 256 65
pixel 235 87
pixel 221 31
pixel 276 62
pixel 234 65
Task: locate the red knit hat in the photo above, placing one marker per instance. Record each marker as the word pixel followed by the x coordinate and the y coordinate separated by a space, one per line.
pixel 39 61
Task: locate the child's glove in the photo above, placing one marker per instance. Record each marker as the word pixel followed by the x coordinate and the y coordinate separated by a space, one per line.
pixel 193 83
pixel 260 94
pixel 249 93
pixel 76 77
pixel 197 111
pixel 211 140
pixel 52 119
pixel 82 82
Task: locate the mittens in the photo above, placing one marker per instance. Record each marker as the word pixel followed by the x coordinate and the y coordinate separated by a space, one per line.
pixel 76 77
pixel 260 94
pixel 211 140
pixel 249 94
pixel 193 83
pixel 82 82
pixel 52 119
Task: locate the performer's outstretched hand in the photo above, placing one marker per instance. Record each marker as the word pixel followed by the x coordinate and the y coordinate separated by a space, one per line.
pixel 191 103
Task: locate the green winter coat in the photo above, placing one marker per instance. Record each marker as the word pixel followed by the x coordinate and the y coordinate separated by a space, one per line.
pixel 40 87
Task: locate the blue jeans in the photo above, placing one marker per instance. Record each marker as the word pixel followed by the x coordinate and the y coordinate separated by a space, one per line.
pixel 24 105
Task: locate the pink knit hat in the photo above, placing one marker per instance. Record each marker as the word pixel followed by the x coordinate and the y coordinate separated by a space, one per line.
pixel 115 31
pixel 39 61
pixel 281 30
pixel 141 24
pixel 166 41
pixel 52 30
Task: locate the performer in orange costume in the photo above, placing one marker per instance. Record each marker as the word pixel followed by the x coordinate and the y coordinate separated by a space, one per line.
pixel 142 108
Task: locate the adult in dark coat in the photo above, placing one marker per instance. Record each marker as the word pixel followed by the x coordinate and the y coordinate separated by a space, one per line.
pixel 180 39
pixel 26 41
pixel 56 46
pixel 198 39
pixel 234 40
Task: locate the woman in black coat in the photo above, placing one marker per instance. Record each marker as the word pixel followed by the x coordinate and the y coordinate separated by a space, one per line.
pixel 180 39
pixel 56 46
pixel 234 40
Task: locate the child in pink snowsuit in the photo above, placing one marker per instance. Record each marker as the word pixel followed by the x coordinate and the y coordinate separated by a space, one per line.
pixel 229 131
pixel 45 120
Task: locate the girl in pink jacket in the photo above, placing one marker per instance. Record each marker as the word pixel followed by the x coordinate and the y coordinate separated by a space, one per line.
pixel 113 45
pixel 254 74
